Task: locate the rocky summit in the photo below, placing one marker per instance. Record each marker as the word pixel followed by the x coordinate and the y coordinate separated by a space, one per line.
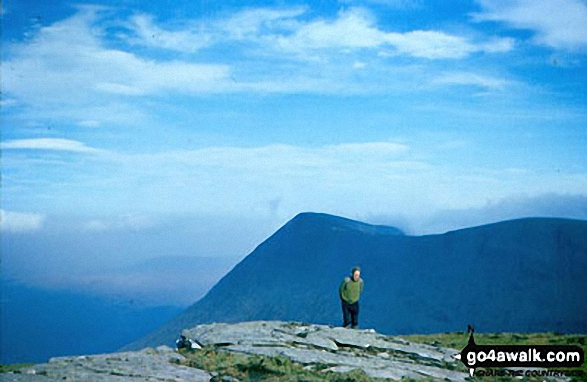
pixel 340 349
pixel 320 348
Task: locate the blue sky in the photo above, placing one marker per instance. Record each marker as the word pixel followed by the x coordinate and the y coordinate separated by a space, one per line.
pixel 428 115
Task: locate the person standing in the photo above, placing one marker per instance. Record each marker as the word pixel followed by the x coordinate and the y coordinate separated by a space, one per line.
pixel 349 291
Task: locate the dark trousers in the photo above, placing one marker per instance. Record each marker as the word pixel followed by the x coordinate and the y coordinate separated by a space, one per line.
pixel 350 314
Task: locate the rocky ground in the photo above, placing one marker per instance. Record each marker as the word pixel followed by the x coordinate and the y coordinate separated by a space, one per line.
pixel 317 347
pixel 161 364
pixel 340 349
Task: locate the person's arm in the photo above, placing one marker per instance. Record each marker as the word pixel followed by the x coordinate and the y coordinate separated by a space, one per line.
pixel 362 285
pixel 341 288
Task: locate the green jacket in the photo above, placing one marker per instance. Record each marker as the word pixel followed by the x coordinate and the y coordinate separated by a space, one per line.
pixel 350 290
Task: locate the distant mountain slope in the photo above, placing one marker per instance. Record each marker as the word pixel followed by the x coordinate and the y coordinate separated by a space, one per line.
pixel 36 324
pixel 520 275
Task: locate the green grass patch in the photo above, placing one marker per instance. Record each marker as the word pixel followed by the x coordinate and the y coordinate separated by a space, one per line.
pixel 263 368
pixel 14 368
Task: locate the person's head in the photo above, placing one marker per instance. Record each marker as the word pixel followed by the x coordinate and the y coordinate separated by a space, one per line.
pixel 356 272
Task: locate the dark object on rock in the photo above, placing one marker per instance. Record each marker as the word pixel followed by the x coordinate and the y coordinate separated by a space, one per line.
pixel 185 343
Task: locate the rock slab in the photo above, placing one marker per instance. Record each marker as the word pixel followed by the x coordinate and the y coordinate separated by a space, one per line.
pixel 338 349
pixel 147 365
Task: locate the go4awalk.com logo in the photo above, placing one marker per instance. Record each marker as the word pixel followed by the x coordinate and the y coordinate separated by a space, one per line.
pixel 521 356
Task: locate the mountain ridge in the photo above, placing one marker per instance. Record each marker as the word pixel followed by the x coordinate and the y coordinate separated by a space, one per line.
pixel 413 283
pixel 342 222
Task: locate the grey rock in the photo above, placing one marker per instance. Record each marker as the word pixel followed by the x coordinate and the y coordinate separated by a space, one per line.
pixel 316 347
pixel 147 365
pixel 12 377
pixel 340 369
pixel 319 341
pixel 340 349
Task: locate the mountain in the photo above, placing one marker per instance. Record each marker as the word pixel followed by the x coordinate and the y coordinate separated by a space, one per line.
pixel 521 275
pixel 64 321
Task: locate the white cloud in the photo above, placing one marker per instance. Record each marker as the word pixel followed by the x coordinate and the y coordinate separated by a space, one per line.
pixel 194 35
pixel 8 103
pixel 550 205
pixel 147 33
pixel 440 45
pixel 54 144
pixel 96 225
pixel 514 207
pixel 20 222
pixel 560 24
pixel 89 123
pixel 347 178
pixel 351 29
pixel 67 70
pixel 431 44
pixel 285 157
pixel 498 45
pixel 356 29
pixel 369 148
pixel 252 23
pixel 68 63
pixel 282 30
pixel 472 79
pixel 132 222
pixel 398 4
pixel 230 179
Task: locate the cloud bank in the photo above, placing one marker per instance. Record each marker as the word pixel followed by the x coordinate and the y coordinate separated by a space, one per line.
pixel 21 222
pixel 558 24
